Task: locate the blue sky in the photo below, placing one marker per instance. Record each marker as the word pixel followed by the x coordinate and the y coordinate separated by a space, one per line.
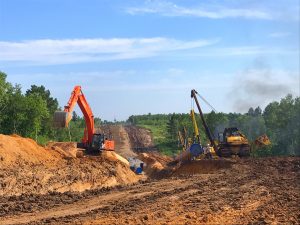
pixel 138 57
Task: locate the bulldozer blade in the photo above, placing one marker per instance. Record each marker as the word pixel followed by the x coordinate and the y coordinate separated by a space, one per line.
pixel 60 119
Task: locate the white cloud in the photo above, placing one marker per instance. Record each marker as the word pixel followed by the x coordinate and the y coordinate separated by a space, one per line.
pixel 170 9
pixel 67 51
pixel 236 51
pixel 71 51
pixel 287 10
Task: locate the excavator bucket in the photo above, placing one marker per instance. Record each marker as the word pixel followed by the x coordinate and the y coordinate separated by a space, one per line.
pixel 262 140
pixel 60 119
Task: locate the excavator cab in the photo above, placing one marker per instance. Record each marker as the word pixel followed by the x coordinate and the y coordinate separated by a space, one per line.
pixel 97 142
pixel 101 142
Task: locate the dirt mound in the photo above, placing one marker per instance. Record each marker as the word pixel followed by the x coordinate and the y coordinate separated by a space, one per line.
pixel 67 149
pixel 155 163
pixel 26 167
pixel 201 167
pixel 17 150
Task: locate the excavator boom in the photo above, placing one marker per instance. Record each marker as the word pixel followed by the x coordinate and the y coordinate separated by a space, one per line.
pixel 62 118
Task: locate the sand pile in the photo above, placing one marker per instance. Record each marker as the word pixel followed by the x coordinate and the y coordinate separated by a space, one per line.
pixel 26 167
pixel 15 150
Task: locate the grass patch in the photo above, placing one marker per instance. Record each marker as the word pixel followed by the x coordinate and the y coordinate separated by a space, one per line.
pixel 160 139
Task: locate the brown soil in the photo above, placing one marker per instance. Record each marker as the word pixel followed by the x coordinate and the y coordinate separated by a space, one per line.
pixel 51 186
pixel 156 165
pixel 26 167
pixel 239 191
pixel 139 137
pixel 121 139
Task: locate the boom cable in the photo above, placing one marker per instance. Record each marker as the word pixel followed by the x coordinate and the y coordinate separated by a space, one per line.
pixel 207 103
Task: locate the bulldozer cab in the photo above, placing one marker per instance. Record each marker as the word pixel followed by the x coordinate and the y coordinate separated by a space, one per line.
pixel 228 132
pixel 231 131
pixel 232 135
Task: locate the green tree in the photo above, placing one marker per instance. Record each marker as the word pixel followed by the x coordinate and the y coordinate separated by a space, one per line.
pixel 257 111
pixel 283 122
pixel 51 104
pixel 14 113
pixel 75 117
pixel 216 122
pixel 172 127
pixel 36 111
pixel 250 111
pixel 5 91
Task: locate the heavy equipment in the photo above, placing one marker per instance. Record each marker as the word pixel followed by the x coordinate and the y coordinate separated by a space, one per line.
pixel 92 141
pixel 262 140
pixel 231 141
pixel 191 148
pixel 206 128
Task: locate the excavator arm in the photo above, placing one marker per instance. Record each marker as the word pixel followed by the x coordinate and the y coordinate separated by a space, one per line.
pixel 62 118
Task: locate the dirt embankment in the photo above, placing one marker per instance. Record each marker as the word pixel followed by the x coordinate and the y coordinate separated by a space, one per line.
pixel 140 138
pixel 246 191
pixel 26 167
pixel 121 139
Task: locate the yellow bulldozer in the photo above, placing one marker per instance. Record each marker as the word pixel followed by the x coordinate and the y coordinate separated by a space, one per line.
pixel 233 142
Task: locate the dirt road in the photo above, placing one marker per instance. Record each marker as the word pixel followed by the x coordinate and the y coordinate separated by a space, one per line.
pixel 255 191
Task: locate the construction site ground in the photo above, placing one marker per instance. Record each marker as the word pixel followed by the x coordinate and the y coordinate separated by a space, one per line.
pixel 234 191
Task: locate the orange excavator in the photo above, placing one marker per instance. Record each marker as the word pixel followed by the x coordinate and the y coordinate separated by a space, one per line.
pixel 91 141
